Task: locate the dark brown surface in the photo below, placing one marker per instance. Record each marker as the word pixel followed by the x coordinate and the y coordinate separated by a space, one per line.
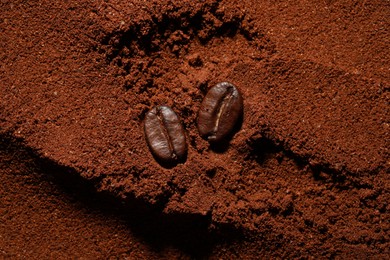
pixel 307 174
pixel 220 112
pixel 165 135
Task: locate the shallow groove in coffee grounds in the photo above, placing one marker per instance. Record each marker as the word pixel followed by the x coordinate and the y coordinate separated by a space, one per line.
pixel 69 181
pixel 143 48
pixel 165 32
pixel 191 233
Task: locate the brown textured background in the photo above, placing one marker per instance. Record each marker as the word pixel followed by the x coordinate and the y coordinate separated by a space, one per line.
pixel 306 176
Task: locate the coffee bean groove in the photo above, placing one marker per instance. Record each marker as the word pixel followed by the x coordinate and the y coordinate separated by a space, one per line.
pixel 165 135
pixel 220 112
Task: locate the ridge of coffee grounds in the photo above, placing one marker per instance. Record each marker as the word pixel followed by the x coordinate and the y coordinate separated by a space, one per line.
pixel 56 213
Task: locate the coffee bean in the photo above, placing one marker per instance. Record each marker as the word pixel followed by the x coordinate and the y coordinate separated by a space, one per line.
pixel 219 112
pixel 165 135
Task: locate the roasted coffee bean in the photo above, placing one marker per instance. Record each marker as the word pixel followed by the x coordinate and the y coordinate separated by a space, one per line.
pixel 219 112
pixel 165 135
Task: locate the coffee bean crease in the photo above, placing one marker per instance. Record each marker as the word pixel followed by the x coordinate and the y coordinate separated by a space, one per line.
pixel 165 134
pixel 220 111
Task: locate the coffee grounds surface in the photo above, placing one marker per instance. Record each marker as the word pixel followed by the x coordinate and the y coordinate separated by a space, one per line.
pixel 306 175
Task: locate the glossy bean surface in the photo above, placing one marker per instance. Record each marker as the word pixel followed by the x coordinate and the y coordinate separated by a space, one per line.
pixel 165 135
pixel 220 111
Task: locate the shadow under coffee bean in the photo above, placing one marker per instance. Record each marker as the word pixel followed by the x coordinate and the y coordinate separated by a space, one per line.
pixel 220 112
pixel 165 136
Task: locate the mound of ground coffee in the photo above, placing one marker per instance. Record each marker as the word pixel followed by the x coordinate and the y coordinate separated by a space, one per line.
pixel 307 173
